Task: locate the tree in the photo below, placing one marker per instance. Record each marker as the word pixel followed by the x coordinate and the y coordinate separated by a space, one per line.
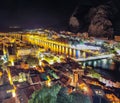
pixel 5 65
pixel 45 95
pixel 77 97
pixel 74 97
pixel 58 94
pixel 63 97
pixel 31 60
pixel 8 63
pixel 94 74
pixel 1 62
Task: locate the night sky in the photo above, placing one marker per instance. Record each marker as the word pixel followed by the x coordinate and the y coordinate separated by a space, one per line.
pixel 34 13
pixel 43 13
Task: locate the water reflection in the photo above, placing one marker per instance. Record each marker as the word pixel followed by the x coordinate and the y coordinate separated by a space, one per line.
pixel 106 67
pixel 95 63
pixel 103 63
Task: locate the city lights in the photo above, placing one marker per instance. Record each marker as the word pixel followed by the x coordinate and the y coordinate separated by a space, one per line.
pixel 41 61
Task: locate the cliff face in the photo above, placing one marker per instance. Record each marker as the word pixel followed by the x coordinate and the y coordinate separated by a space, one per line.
pixel 99 18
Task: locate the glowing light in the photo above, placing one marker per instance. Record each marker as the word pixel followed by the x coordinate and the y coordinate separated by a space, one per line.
pixel 20 80
pixel 0 74
pixel 54 47
pixel 57 48
pixel 84 55
pixel 12 61
pixel 85 89
pixel 40 63
pixel 85 47
pixel 4 58
pixel 10 77
pixel 70 51
pixel 84 64
pixel 66 50
pixel 63 49
pixel 104 61
pixel 48 82
pixel 58 60
pixel 11 82
pixel 95 64
pixel 34 66
pixel 110 61
pixel 74 52
pixel 4 51
pixel 13 93
pixel 99 63
pixel 13 40
pixel 51 62
pixel 90 62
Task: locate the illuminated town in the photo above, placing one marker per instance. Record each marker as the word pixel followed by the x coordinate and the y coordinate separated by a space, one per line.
pixel 62 67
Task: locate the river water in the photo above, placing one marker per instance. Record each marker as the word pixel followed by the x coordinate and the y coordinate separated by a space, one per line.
pixel 107 67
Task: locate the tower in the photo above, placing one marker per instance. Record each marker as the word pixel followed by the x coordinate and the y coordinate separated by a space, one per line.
pixel 75 76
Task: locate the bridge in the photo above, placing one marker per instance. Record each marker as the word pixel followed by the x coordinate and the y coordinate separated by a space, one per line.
pixel 94 58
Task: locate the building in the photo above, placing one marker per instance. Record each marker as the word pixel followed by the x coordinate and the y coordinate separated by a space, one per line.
pixel 6 91
pixel 117 38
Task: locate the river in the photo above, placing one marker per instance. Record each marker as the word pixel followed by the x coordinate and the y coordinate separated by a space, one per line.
pixel 107 67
